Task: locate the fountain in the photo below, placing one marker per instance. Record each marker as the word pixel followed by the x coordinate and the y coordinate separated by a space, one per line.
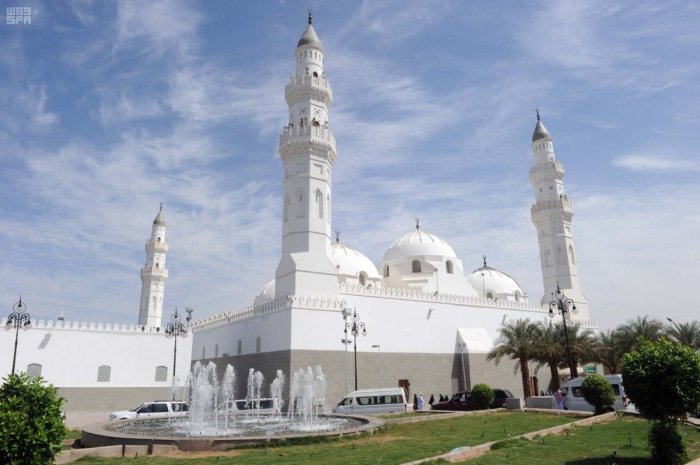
pixel 217 420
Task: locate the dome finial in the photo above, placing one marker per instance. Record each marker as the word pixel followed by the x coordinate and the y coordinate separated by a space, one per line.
pixel 161 206
pixel 484 257
pixel 537 110
pixel 337 236
pixel 417 223
pixel 311 13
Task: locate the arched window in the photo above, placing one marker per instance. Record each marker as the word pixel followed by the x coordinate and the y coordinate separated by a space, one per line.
pixel 104 373
pixel 547 261
pixel 286 207
pixel 518 296
pixel 258 343
pixel 33 370
pixel 216 350
pixel 571 254
pixel 362 279
pixel 448 267
pixel 386 271
pixel 319 203
pixel 204 352
pixel 416 266
pixel 161 373
pixel 489 295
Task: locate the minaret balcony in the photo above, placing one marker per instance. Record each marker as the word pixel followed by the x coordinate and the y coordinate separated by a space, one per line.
pixel 546 171
pixel 154 271
pixel 308 87
pixel 294 135
pixel 562 204
pixel 155 246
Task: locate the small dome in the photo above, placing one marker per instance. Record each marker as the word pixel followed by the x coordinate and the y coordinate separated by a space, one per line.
pixel 499 285
pixel 266 294
pixel 417 243
pixel 540 132
pixel 160 218
pixel 309 37
pixel 351 262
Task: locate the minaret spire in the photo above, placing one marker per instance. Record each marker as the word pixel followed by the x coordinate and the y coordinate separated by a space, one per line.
pixel 307 149
pixel 311 13
pixel 552 215
pixel 154 274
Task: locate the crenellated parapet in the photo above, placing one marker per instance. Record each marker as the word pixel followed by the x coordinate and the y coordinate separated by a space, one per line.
pixel 455 299
pixel 308 87
pixel 294 137
pixel 85 326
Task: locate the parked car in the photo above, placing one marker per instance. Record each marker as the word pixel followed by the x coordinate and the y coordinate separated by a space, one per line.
pixel 573 397
pixel 463 401
pixel 263 406
pixel 373 401
pixel 155 409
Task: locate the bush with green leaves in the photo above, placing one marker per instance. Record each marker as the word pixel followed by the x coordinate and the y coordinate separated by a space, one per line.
pixel 662 379
pixel 31 421
pixel 598 392
pixel 483 395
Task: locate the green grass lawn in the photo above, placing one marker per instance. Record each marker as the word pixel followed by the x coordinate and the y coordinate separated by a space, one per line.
pixel 396 444
pixel 403 443
pixel 622 442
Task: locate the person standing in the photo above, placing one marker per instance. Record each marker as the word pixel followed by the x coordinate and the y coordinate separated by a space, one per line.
pixel 421 401
pixel 559 399
pixel 432 400
pixel 415 402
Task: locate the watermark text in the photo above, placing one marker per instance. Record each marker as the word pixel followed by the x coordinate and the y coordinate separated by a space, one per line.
pixel 18 15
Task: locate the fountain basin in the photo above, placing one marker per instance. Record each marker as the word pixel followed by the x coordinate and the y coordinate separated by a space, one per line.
pixel 154 431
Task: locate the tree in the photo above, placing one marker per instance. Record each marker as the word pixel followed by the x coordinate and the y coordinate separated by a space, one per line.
pixel 598 392
pixel 582 345
pixel 31 421
pixel 662 378
pixel 685 333
pixel 609 350
pixel 517 341
pixel 549 350
pixel 483 395
pixel 642 328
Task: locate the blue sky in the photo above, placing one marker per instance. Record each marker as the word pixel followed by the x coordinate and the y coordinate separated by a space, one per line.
pixel 110 108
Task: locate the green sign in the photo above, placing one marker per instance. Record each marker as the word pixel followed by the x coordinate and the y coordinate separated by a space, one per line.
pixel 590 369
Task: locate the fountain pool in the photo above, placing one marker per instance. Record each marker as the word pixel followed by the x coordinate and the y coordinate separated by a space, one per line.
pixel 215 420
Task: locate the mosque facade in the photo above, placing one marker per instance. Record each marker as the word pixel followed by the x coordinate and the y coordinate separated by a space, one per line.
pixel 421 322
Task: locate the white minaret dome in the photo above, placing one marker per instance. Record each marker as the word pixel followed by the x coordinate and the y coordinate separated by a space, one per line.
pixel 540 131
pixel 159 219
pixel 309 37
pixel 491 283
pixel 419 242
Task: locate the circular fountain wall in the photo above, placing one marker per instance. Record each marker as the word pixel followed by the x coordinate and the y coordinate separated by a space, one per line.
pixel 216 420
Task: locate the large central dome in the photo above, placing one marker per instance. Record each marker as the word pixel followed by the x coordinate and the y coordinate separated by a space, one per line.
pixel 419 243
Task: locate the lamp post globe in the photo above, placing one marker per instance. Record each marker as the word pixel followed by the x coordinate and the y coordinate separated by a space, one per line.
pixel 18 318
pixel 356 328
pixel 174 329
pixel 565 307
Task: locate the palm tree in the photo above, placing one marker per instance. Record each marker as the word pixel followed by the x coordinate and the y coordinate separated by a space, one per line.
pixel 643 328
pixel 517 341
pixel 582 345
pixel 549 350
pixel 685 333
pixel 610 350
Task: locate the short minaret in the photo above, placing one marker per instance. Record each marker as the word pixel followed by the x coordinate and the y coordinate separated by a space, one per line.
pixel 154 274
pixel 551 215
pixel 307 149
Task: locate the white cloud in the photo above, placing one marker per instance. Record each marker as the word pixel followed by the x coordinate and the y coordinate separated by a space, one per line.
pixel 655 163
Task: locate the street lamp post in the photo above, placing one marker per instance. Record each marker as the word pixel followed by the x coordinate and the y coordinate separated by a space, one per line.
pixel 565 307
pixel 379 347
pixel 18 317
pixel 345 342
pixel 174 329
pixel 356 327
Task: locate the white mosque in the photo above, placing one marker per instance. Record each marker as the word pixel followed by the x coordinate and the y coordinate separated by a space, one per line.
pixel 422 323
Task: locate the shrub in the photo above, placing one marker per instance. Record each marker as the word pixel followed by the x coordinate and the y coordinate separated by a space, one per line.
pixel 598 392
pixel 662 378
pixel 483 395
pixel 31 421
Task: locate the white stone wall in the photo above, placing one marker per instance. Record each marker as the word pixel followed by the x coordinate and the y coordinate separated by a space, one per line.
pixel 70 353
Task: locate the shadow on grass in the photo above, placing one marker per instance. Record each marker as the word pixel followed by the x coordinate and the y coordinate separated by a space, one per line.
pixel 610 460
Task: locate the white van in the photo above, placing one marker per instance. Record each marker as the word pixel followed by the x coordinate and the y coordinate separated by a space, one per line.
pixel 373 401
pixel 573 397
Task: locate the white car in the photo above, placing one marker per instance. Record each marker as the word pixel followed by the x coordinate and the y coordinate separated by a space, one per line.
pixel 267 406
pixel 573 397
pixel 155 409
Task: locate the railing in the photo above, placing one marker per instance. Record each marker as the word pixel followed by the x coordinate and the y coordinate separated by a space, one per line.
pixel 562 202
pixel 154 270
pixel 296 133
pixel 308 81
pixel 89 326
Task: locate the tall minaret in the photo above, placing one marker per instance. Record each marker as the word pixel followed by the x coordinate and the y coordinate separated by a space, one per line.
pixel 154 274
pixel 551 215
pixel 307 149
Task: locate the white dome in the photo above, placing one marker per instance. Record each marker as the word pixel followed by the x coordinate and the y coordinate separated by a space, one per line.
pixel 266 294
pixel 418 243
pixel 499 285
pixel 349 261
